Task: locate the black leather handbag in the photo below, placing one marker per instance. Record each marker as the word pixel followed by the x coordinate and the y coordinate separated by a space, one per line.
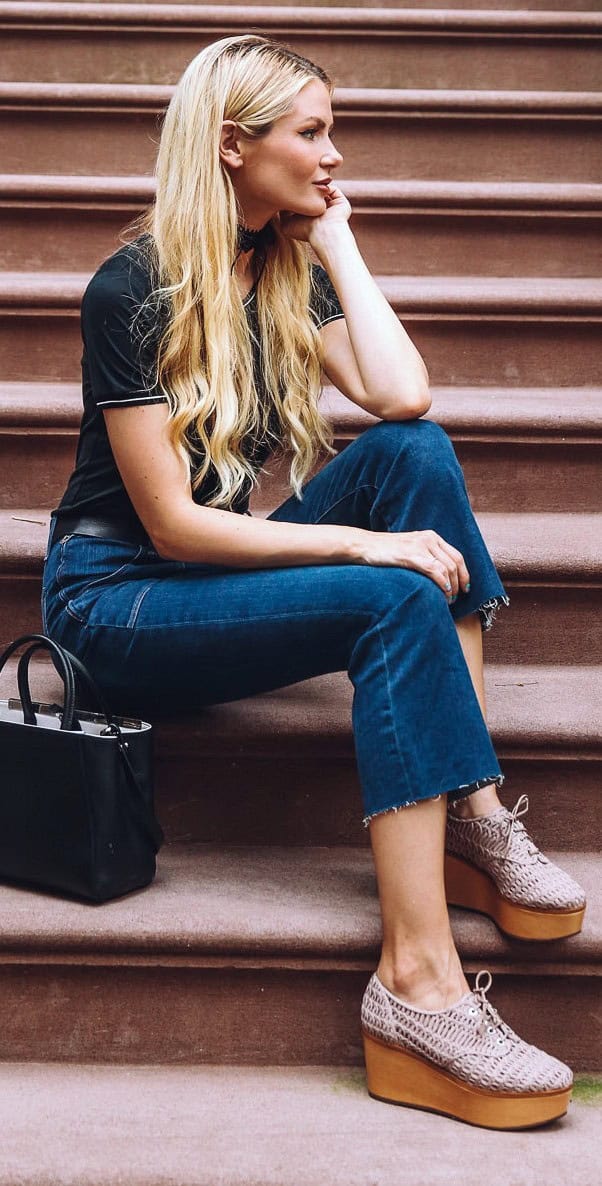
pixel 76 790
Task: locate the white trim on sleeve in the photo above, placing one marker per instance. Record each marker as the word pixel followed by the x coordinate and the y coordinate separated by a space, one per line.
pixel 136 399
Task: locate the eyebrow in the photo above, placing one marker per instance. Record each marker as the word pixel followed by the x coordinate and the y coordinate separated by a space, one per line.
pixel 321 123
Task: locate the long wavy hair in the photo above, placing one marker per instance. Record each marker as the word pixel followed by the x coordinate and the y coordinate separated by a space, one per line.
pixel 203 361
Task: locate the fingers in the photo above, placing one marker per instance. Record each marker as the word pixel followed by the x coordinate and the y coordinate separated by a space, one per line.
pixel 451 566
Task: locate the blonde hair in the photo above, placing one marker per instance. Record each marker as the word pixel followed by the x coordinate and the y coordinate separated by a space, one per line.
pixel 204 360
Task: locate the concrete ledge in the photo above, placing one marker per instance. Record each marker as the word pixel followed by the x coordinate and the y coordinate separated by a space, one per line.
pixel 561 298
pixel 551 197
pixel 546 414
pixel 266 907
pixel 251 1126
pixel 528 547
pixel 164 17
pixel 83 96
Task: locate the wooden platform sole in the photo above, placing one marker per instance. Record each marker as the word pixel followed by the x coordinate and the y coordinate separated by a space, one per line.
pixel 397 1077
pixel 473 889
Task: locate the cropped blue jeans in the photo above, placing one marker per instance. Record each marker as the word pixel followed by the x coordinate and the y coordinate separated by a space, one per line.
pixel 162 636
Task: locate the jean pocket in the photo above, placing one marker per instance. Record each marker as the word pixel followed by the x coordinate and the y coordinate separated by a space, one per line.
pixel 86 565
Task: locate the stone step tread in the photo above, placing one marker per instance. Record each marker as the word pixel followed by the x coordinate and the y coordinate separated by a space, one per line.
pixel 261 1126
pixel 561 297
pixel 553 197
pixel 530 546
pixel 479 412
pixel 268 16
pixel 391 100
pixel 543 710
pixel 250 904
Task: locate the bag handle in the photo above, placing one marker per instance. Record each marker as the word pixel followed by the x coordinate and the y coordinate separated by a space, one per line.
pixel 77 667
pixel 69 664
pixel 62 665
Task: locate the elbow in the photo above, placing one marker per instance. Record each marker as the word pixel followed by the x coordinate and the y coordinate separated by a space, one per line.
pixel 410 405
pixel 165 547
pixel 164 543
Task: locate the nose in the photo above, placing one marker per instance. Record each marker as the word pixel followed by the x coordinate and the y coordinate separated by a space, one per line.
pixel 332 158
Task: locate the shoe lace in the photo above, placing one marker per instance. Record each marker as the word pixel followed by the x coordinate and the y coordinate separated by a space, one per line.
pixel 490 1019
pixel 517 831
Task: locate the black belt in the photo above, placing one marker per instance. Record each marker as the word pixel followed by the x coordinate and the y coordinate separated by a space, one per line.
pixel 129 531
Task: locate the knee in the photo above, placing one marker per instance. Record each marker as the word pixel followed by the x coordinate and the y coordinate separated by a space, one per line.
pixel 421 443
pixel 403 591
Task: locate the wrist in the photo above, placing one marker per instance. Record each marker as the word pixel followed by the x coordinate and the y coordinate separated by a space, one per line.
pixel 326 240
pixel 352 548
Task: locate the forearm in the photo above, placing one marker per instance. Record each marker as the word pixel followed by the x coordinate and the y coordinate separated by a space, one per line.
pixel 206 535
pixel 389 364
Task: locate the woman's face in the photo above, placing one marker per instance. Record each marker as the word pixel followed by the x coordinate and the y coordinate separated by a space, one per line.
pixel 280 171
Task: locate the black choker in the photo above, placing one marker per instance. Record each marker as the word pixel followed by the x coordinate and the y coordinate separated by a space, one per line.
pixel 248 239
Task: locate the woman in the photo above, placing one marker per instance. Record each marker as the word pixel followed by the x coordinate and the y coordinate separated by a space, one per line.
pixel 203 346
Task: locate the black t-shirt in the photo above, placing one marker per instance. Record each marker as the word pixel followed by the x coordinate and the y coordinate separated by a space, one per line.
pixel 116 364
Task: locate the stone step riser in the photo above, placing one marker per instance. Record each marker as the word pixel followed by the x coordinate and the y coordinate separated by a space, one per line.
pixel 220 771
pixel 68 1013
pixel 390 145
pixel 550 623
pixel 393 241
pixel 500 475
pixel 473 350
pixel 355 57
pixel 200 799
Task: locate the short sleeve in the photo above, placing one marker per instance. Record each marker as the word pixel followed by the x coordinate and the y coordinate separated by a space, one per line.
pixel 324 304
pixel 119 344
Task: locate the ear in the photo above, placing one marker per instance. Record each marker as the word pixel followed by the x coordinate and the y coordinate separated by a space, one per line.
pixel 229 145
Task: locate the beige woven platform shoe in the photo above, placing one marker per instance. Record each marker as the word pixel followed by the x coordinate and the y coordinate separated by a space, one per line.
pixel 492 865
pixel 464 1061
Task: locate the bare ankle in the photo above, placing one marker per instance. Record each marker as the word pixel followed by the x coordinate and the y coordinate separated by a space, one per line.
pixel 480 803
pixel 425 980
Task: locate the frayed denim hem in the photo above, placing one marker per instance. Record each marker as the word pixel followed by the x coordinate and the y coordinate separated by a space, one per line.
pixel 461 792
pixel 488 611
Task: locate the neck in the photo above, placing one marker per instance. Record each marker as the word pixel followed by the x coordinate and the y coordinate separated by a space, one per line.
pixel 250 238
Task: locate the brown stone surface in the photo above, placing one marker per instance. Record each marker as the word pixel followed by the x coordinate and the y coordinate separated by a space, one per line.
pixel 255 955
pixel 317 800
pixel 529 449
pixel 233 1126
pixel 138 43
pixel 406 234
pixel 550 565
pixel 545 330
pixel 265 903
pixel 161 1013
pixel 534 712
pixel 391 134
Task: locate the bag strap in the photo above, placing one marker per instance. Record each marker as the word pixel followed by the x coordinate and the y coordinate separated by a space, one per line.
pixel 138 805
pixel 62 665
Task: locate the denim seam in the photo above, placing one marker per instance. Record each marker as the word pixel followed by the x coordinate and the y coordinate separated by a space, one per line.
pixel 68 602
pixel 73 614
pixel 136 607
pixel 235 621
pixel 390 698
pixel 61 592
pixel 349 494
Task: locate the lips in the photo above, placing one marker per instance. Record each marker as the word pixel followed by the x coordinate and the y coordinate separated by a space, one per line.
pixel 325 181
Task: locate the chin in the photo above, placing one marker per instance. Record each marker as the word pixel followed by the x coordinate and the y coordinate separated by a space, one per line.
pixel 310 208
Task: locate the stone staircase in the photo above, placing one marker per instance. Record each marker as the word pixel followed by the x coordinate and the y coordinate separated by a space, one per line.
pixel 207 1031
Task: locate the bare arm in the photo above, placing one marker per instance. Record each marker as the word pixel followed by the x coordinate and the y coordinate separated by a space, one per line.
pixel 159 486
pixel 368 355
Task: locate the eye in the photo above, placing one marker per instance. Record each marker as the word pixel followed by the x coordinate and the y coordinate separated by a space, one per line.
pixel 311 132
